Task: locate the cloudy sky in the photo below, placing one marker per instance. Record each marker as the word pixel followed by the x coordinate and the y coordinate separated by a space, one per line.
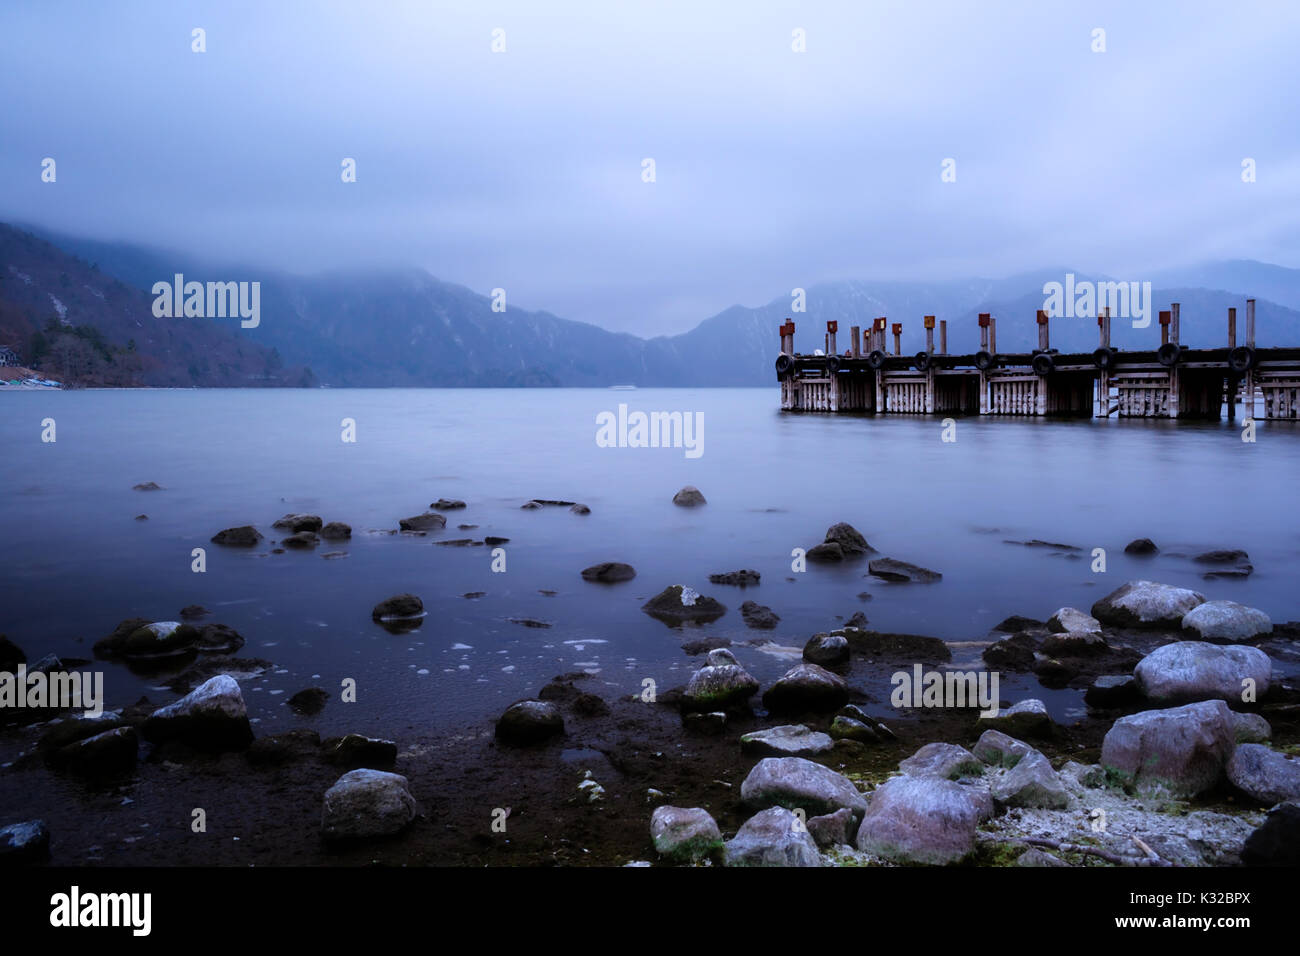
pixel 773 168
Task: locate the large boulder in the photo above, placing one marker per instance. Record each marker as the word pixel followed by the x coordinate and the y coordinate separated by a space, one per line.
pixel 849 539
pixel 1226 621
pixel 1195 670
pixel 996 748
pixel 806 687
pixel 795 782
pixel 833 829
pixel 923 820
pixel 210 717
pixel 719 685
pixel 1146 604
pixel 946 761
pixel 774 837
pixel 677 604
pixel 529 722
pixel 1031 783
pixel 826 650
pixel 684 835
pixel 892 569
pixel 689 497
pixel 1180 751
pixel 1264 774
pixel 791 740
pixel 1141 546
pixel 367 803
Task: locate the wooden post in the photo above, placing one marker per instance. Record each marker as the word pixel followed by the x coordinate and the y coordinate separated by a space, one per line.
pixel 943 336
pixel 993 335
pixel 929 334
pixel 1106 331
pixel 1232 328
pixel 1173 325
pixel 856 340
pixel 1042 330
pixel 1164 328
pixel 898 338
pixel 1250 323
pixel 831 328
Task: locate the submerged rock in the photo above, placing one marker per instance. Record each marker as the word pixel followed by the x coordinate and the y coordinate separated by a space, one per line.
pixel 923 820
pixel 244 536
pixel 301 540
pixel 296 523
pixel 1226 621
pixel 892 569
pixel 849 539
pixel 1195 670
pixel 758 616
pixel 211 717
pixel 741 579
pixel 147 486
pixel 1141 546
pixel 336 531
pixel 609 572
pixel 1180 751
pixel 424 522
pixel 795 782
pixel 397 607
pixel 529 722
pixel 826 552
pixel 580 509
pixel 689 497
pixel 447 504
pixel 774 837
pixel 677 604
pixel 806 687
pixel 1146 604
pixel 367 803
pixel 684 835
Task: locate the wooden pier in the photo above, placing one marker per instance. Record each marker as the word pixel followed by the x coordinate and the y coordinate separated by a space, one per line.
pixel 1171 381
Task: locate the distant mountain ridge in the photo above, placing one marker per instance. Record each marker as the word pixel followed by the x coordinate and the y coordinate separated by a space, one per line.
pixel 403 327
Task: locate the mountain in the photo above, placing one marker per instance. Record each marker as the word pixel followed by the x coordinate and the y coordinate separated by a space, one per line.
pixel 403 327
pixel 78 324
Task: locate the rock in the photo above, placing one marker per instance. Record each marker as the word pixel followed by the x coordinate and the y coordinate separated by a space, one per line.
pixel 211 717
pixel 367 803
pixel 719 686
pixel 280 749
pixel 296 523
pixel 689 497
pixel 159 639
pixel 245 536
pixel 1015 653
pixel 25 842
pixel 893 570
pixel 1180 750
pixel 1194 670
pixel 1146 604
pixel 1264 775
pixel 193 611
pixel 609 572
pixel 301 539
pixel 1068 619
pixel 999 750
pixel 684 835
pixel 590 705
pixel 946 761
pixel 147 486
pixel 580 509
pixel 141 517
pixel 1250 728
pixel 795 782
pixel 1028 718
pixel 397 607
pixel 858 621
pixel 1036 857
pixel 424 522
pixel 759 617
pixel 447 504
pixel 531 506
pixel 69 730
pixel 1074 644
pixel 1222 556
pixel 826 650
pixel 677 604
pixel 529 722
pixel 218 639
pixel 1241 571
pixel 923 820
pixel 493 540
pixel 1112 690
pixel 849 539
pixel 774 837
pixel 850 728
pixel 358 750
pixel 741 579
pixel 1031 783
pixel 1275 843
pixel 336 531
pixel 825 552
pixel 11 655
pixel 1141 546
pixel 1226 621
pixel 833 829
pixel 1015 623
pixel 104 754
pixel 806 687
pixel 896 648
pixel 711 723
pixel 791 740
pixel 309 701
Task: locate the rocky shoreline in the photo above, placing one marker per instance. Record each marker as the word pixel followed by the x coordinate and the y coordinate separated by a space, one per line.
pixel 1186 755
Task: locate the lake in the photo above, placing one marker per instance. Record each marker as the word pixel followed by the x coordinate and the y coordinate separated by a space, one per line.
pixel 77 561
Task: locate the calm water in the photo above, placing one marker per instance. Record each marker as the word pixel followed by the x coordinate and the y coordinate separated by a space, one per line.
pixel 75 561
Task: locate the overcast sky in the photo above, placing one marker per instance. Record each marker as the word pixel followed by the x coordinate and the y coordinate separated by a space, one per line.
pixel 774 169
